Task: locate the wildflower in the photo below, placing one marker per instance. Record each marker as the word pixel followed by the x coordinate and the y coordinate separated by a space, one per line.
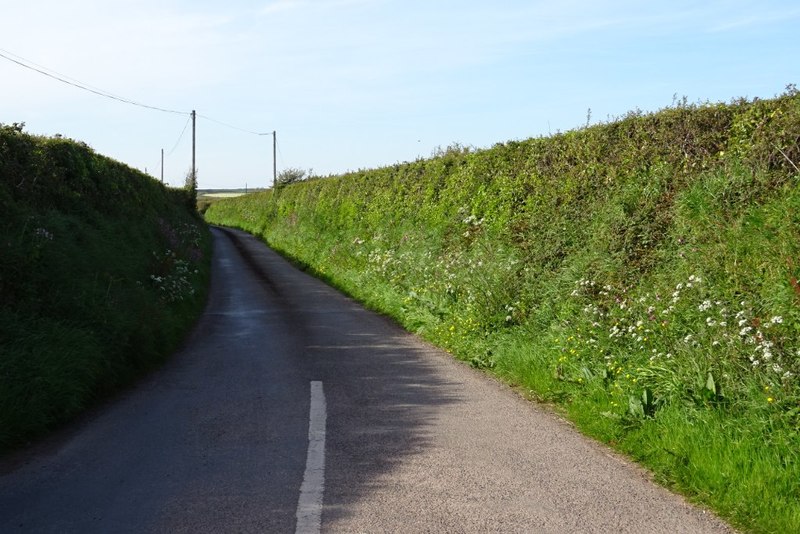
pixel 43 233
pixel 776 320
pixel 745 331
pixel 710 321
pixel 705 305
pixel 770 400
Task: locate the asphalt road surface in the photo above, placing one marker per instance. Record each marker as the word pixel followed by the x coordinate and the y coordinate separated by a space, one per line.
pixel 293 409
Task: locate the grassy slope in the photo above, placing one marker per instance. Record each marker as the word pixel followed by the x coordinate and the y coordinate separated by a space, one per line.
pixel 102 270
pixel 642 275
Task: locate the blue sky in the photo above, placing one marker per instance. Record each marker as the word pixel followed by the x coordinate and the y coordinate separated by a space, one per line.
pixel 351 84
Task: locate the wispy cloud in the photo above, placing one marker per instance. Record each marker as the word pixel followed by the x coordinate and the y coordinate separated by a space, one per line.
pixel 755 19
pixel 279 6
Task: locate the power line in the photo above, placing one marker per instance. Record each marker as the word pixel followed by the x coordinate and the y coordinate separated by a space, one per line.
pixel 63 78
pixel 50 73
pixel 232 126
pixel 175 146
pixel 179 137
pixel 80 85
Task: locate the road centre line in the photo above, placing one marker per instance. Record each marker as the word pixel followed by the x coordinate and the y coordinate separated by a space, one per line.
pixel 309 505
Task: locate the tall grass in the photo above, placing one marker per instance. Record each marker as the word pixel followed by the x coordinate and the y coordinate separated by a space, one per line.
pixel 641 275
pixel 102 270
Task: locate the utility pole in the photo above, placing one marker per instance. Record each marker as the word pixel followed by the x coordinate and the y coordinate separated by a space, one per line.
pixel 274 157
pixel 194 169
pixel 162 165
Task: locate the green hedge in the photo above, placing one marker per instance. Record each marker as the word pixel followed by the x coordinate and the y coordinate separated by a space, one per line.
pixel 102 270
pixel 641 274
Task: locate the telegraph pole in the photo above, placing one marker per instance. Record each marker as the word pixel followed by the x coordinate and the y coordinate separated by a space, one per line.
pixel 162 165
pixel 274 157
pixel 194 169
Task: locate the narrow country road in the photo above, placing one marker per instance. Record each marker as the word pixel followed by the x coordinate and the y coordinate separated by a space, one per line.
pixel 291 408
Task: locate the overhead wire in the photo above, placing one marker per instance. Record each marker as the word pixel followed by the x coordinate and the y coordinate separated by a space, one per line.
pixel 280 154
pixel 50 73
pixel 179 137
pixel 164 155
pixel 80 85
pixel 232 126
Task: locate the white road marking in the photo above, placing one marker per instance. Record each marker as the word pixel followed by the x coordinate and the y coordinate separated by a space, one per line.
pixel 309 506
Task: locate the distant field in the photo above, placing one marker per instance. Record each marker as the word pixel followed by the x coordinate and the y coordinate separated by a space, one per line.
pixel 229 194
pixel 206 197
